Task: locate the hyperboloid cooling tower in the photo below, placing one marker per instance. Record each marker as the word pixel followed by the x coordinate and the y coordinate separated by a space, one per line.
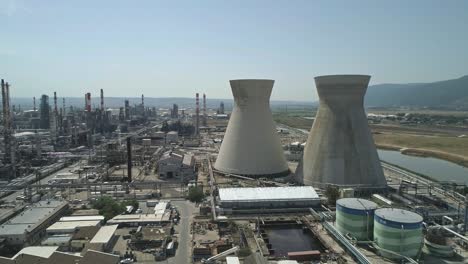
pixel 340 149
pixel 251 145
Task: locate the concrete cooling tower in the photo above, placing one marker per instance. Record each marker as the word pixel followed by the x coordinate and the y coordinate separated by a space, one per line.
pixel 340 149
pixel 251 145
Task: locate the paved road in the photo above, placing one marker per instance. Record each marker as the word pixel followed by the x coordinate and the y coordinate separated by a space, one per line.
pixel 183 254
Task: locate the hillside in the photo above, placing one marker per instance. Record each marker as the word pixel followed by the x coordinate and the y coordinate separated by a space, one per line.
pixel 450 94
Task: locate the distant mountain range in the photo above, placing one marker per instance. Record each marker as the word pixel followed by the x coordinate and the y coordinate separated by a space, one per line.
pixel 449 94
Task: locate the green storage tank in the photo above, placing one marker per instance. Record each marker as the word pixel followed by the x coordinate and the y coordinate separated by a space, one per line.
pixel 356 217
pixel 399 231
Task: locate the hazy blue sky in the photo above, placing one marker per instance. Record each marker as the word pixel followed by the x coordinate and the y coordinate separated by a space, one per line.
pixel 175 48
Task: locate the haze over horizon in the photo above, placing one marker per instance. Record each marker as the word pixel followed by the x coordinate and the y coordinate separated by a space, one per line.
pixel 175 49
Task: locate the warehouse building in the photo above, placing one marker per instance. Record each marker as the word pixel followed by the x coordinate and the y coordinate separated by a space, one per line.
pixel 176 165
pixel 70 227
pixel 82 218
pixel 30 225
pixel 104 239
pixel 50 254
pixel 268 198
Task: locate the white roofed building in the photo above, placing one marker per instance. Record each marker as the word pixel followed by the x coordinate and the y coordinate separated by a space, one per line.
pixel 268 197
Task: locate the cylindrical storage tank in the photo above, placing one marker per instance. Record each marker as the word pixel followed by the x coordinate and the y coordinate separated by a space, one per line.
pixel 251 145
pixel 356 217
pixel 399 231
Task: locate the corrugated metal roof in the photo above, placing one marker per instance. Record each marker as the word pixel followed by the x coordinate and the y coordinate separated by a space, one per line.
pixel 104 234
pixel 268 193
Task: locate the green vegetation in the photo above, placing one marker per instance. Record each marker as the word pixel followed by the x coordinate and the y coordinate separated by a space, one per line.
pixel 109 207
pixel 453 149
pixel 295 117
pixel 195 194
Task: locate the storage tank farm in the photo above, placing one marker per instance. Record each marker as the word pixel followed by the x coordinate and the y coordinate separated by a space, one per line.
pixel 398 231
pixel 356 217
pixel 340 149
pixel 251 146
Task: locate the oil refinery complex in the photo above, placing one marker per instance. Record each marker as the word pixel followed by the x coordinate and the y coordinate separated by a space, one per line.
pixel 205 183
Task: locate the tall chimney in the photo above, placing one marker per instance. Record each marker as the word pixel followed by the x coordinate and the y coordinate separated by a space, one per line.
pixel 143 104
pixel 88 102
pixel 102 100
pixel 4 109
pixel 204 110
pixel 10 144
pixel 129 159
pixel 34 104
pixel 5 120
pixel 63 105
pixel 55 103
pixel 197 113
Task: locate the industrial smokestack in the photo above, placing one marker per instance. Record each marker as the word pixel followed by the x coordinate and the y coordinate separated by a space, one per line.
pixel 63 105
pixel 5 121
pixel 340 149
pixel 9 139
pixel 7 90
pixel 55 103
pixel 129 159
pixel 127 110
pixel 102 100
pixel 88 102
pixel 34 104
pixel 204 110
pixel 197 113
pixel 251 145
pixel 4 105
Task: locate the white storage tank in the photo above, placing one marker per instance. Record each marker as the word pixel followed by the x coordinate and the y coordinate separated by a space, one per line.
pixel 356 217
pixel 398 231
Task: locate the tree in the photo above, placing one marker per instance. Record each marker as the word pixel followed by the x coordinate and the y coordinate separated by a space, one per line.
pixel 108 207
pixel 195 194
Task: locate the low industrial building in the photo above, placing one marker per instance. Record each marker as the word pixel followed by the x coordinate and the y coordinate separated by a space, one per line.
pixel 82 218
pixel 140 219
pixel 61 241
pixel 70 227
pixel 30 225
pixel 82 237
pixel 268 198
pixel 104 239
pixel 176 165
pixel 51 255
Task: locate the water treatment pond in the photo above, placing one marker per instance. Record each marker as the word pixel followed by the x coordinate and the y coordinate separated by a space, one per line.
pixel 290 239
pixel 437 169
